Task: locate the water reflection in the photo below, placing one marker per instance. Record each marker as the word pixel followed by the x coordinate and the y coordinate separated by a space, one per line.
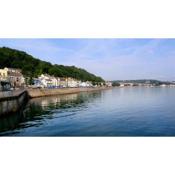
pixel 136 111
pixel 39 109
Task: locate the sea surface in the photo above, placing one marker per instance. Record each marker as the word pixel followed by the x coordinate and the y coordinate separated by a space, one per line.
pixel 128 111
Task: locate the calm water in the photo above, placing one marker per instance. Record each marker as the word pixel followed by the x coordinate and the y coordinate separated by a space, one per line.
pixel 137 111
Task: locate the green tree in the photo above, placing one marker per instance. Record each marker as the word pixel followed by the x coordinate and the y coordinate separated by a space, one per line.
pixel 33 67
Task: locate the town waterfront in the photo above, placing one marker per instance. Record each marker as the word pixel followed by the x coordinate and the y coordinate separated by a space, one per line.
pixel 128 111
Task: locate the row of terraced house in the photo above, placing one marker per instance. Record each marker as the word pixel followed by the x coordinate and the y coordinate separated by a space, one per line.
pixel 13 78
pixel 47 81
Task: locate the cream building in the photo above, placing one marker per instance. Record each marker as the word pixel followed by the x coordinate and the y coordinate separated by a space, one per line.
pixel 108 83
pixel 86 84
pixel 71 82
pixel 13 76
pixel 63 82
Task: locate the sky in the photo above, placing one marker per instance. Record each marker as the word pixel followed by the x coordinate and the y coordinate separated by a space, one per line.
pixel 112 59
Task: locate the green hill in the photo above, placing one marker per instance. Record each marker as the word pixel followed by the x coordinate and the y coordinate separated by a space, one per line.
pixel 32 67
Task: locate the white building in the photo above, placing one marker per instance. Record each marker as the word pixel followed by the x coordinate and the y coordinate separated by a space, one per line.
pixel 108 83
pixel 86 84
pixel 122 84
pixel 37 82
pixel 63 82
pixel 47 81
pixel 163 85
pixel 71 82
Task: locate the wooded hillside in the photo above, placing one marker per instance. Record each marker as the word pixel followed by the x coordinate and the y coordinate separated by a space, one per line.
pixel 32 67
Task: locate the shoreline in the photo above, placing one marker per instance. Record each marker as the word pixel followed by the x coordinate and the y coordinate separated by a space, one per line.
pixel 34 93
pixel 12 102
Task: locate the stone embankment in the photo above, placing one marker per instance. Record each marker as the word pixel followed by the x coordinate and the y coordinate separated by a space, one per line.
pixel 33 93
pixel 13 101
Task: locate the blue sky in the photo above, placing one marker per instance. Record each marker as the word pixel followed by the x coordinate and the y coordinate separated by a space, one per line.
pixel 113 59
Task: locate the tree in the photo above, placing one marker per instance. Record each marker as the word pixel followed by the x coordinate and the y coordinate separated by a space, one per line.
pixel 33 67
pixel 115 84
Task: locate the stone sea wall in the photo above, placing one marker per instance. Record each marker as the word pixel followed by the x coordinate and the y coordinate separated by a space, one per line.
pixel 13 103
pixel 33 93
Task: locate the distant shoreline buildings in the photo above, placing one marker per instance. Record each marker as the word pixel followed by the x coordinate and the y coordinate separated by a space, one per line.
pixel 146 83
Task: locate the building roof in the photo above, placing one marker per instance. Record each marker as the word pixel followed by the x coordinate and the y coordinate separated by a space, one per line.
pixel 15 74
pixel 13 69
